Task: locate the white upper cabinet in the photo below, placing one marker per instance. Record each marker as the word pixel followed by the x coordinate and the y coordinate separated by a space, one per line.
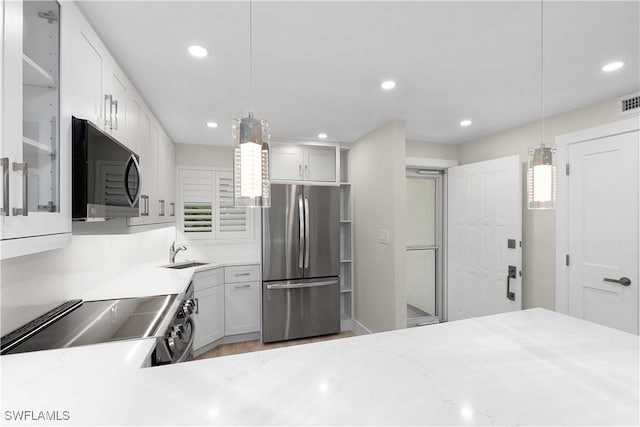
pixel 286 163
pixel 100 90
pixel 35 147
pixel 115 102
pixel 102 93
pixel 308 164
pixel 320 164
pixel 86 71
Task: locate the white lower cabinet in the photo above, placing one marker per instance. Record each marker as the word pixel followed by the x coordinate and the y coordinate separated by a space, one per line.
pixel 227 303
pixel 208 293
pixel 209 316
pixel 242 308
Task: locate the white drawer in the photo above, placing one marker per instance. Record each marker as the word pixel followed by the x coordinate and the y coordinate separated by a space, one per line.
pixel 242 273
pixel 207 278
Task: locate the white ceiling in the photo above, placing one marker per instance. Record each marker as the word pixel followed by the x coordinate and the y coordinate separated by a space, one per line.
pixel 317 66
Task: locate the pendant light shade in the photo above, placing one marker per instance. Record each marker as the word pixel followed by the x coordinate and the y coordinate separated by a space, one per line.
pixel 251 186
pixel 541 177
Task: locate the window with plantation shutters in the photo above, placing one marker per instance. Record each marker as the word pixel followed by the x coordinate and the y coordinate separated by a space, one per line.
pixel 231 221
pixel 207 211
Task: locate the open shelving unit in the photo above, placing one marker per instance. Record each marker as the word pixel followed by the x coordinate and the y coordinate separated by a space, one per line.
pixel 346 246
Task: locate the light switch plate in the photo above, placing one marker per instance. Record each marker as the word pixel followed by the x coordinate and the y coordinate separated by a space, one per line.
pixel 383 237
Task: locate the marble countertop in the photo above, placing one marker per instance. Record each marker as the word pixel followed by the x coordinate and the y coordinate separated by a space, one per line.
pixel 520 368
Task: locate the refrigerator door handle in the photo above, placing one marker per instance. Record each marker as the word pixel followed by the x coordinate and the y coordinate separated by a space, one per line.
pixel 301 233
pixel 275 286
pixel 306 232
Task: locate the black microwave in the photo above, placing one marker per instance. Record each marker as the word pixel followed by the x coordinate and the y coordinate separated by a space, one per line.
pixel 105 175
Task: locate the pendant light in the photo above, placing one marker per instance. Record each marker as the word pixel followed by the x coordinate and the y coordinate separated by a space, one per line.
pixel 541 171
pixel 251 185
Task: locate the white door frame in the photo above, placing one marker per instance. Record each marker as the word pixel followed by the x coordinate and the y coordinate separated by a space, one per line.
pixel 562 204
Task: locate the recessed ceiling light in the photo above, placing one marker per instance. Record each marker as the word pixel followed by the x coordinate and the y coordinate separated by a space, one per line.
pixel 389 84
pixel 322 135
pixel 465 123
pixel 612 66
pixel 212 124
pixel 198 51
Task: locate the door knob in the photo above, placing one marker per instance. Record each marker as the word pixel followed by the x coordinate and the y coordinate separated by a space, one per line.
pixel 624 281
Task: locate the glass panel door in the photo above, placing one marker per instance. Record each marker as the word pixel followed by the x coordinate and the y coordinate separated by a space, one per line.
pixel 424 238
pixel 40 88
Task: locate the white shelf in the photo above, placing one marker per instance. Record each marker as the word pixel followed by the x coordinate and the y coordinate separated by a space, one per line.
pixel 35 75
pixel 37 145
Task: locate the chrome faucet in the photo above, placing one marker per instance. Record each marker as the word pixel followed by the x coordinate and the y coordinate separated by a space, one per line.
pixel 173 251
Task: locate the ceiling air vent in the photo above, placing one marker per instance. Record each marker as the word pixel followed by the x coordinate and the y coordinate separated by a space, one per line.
pixel 629 104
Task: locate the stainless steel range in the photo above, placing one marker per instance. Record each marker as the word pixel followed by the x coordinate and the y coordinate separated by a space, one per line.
pixel 76 323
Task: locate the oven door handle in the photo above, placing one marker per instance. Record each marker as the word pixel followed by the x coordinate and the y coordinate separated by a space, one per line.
pixel 187 351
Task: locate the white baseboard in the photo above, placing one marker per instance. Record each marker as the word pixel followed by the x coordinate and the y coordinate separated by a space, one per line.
pixel 360 329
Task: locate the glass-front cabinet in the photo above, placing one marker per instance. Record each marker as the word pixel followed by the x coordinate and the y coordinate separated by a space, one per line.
pixel 35 135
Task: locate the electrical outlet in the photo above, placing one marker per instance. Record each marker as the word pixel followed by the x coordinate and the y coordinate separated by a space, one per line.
pixel 383 237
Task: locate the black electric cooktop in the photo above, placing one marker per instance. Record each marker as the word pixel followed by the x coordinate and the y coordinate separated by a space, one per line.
pixel 76 323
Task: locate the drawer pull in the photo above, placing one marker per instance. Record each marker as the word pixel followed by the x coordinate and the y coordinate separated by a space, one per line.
pixel 242 274
pixel 242 286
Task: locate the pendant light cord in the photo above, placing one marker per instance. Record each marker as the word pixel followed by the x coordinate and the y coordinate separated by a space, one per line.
pixel 250 55
pixel 542 72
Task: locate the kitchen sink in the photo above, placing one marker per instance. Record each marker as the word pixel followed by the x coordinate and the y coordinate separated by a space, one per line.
pixel 181 265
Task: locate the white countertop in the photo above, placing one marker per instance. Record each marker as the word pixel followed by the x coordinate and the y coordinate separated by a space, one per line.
pixel 528 367
pixel 147 279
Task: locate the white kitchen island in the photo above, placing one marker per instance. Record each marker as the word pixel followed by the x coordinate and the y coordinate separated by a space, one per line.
pixel 521 368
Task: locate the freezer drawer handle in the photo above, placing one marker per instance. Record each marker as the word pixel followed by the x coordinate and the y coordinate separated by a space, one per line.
pixel 301 285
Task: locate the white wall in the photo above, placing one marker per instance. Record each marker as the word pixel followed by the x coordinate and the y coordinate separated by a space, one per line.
pixel 432 150
pixel 61 274
pixel 538 282
pixel 377 165
pixel 211 156
pixel 204 155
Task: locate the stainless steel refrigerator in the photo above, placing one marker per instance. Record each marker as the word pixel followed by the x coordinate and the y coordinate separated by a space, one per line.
pixel 301 262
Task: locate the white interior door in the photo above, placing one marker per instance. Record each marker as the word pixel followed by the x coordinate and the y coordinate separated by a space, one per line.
pixel 484 229
pixel 603 230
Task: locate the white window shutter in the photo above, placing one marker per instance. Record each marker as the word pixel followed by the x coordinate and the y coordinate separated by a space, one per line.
pixel 231 222
pixel 197 207
pixel 206 207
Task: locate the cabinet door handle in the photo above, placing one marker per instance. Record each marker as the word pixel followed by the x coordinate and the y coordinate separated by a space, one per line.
pixel 173 208
pixel 145 205
pixel 306 171
pixel 24 167
pixel 242 286
pixel 197 305
pixel 115 104
pixel 161 202
pixel 108 100
pixel 242 274
pixel 5 187
pixel 300 171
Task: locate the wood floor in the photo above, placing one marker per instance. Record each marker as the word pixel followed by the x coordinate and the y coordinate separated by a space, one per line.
pixel 256 345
